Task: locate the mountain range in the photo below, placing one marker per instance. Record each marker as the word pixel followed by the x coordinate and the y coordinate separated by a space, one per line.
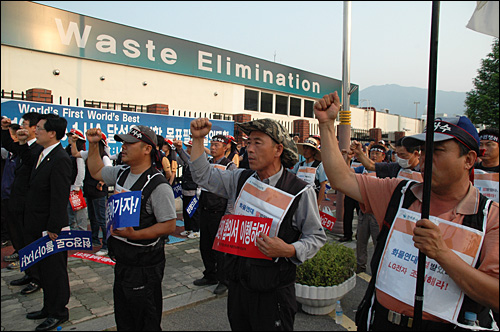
pixel 401 100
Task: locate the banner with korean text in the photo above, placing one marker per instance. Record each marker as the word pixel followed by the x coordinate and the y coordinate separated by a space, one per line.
pixel 398 266
pixel 44 246
pixel 193 205
pixel 177 188
pixel 94 258
pixel 237 235
pixel 113 122
pixel 487 183
pixel 123 210
pixel 327 220
pixel 258 199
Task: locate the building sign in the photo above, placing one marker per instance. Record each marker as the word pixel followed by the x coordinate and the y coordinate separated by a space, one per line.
pixel 52 30
pixel 114 122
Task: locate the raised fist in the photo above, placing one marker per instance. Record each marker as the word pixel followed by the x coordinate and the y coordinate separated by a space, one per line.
pixel 94 135
pixel 5 123
pixel 200 127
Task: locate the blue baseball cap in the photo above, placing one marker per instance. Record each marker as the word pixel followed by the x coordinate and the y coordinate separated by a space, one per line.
pixel 459 128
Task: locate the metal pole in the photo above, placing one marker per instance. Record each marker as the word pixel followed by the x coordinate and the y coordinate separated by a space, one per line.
pixel 429 149
pixel 344 128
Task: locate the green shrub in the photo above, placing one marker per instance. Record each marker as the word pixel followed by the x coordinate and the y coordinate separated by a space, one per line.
pixel 333 264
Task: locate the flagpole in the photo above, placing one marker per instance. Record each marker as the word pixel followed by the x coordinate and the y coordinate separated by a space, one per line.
pixel 429 149
pixel 344 127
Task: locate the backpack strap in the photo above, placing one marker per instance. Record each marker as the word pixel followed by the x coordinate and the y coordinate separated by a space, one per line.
pixel 477 221
pixel 316 163
pixel 242 179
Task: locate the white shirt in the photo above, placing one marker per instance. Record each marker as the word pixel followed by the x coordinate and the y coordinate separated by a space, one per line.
pixel 47 150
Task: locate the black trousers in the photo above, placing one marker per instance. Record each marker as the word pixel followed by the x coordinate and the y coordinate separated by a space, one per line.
pixel 15 221
pixel 349 205
pixel 52 272
pixel 190 223
pixel 20 240
pixel 5 220
pixel 213 260
pixel 254 311
pixel 137 296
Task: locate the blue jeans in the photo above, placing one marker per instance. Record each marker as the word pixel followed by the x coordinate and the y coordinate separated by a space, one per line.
pixel 97 215
pixel 78 220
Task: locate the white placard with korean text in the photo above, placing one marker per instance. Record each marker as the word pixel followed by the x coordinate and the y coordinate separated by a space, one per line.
pixel 258 199
pixel 397 271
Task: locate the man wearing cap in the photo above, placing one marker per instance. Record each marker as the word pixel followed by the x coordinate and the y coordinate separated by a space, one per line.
pixel 489 148
pixel 138 251
pixel 486 171
pixel 406 158
pixel 311 169
pixel 262 292
pixel 461 266
pixel 213 206
pixel 78 220
pixel 189 191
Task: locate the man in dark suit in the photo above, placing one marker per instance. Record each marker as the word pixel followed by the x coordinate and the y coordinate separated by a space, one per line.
pixel 47 199
pixel 17 201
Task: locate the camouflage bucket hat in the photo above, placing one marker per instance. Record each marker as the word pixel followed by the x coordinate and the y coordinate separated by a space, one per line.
pixel 279 134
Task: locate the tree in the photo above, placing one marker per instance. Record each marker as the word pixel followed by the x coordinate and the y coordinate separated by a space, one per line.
pixel 482 102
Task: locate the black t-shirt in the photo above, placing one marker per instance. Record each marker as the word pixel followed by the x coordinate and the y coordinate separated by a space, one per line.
pixel 494 169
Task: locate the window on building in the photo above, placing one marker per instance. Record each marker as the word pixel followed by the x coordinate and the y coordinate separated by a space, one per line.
pixel 308 109
pixel 251 100
pixel 295 106
pixel 281 105
pixel 266 102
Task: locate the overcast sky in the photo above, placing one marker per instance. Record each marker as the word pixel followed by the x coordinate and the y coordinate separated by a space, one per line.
pixel 390 41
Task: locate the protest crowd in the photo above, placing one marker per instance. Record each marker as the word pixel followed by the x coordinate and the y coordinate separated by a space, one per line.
pixel 124 203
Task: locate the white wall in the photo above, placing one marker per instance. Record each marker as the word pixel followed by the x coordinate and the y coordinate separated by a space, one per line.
pixel 22 70
pixel 25 69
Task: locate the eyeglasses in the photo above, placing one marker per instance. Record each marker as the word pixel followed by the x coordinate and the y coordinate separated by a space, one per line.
pixel 40 128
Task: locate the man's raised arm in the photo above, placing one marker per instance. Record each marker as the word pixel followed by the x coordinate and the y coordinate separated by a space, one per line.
pixel 341 178
pixel 94 160
pixel 199 129
pixel 369 164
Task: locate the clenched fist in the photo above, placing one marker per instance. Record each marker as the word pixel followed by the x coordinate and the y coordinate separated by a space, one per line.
pixel 327 108
pixel 94 135
pixel 200 127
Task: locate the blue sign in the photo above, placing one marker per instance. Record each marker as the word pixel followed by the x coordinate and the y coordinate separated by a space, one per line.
pixel 44 246
pixel 193 205
pixel 114 122
pixel 123 210
pixel 177 190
